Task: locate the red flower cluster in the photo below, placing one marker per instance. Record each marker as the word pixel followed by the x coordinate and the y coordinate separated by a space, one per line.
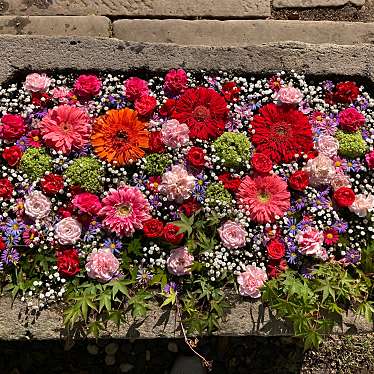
pixel 51 184
pixel 195 157
pixel 229 182
pixel 12 155
pixel 344 197
pixel 299 180
pixel 13 127
pixel 68 262
pixel 261 163
pixel 6 188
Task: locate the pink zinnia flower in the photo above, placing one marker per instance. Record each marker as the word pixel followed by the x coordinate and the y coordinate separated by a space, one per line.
pixel 65 128
pixel 125 210
pixel 263 198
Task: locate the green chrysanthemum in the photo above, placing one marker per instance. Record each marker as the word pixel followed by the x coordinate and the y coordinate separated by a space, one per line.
pixel 351 145
pixel 232 148
pixel 35 162
pixel 156 163
pixel 87 173
pixel 216 194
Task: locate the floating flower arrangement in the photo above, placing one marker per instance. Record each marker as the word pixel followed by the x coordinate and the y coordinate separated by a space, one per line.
pixel 136 188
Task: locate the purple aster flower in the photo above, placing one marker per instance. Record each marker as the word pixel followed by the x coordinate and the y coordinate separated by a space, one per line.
pixel 306 272
pixel 14 227
pixel 171 286
pixel 292 226
pixel 10 256
pixel 304 107
pixel 254 103
pixel 292 254
pixel 328 85
pixel 143 276
pixel 114 245
pixel 354 166
pixel 299 203
pixel 352 256
pixel 22 143
pixel 362 102
pixel 340 226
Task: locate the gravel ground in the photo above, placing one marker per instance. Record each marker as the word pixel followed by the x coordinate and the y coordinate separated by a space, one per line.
pixel 230 355
pixel 345 13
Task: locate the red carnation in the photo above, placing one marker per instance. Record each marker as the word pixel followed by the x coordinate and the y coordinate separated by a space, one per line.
pixel 230 91
pixel 204 111
pixel 276 249
pixel 167 108
pixel 145 105
pixel 2 244
pixel 345 92
pixel 175 82
pixel 351 120
pixel 153 228
pixel 229 182
pixel 344 197
pixel 189 207
pixel 13 127
pixel 68 262
pixel 171 235
pixel 195 157
pixel 87 202
pixel 12 155
pixel 51 184
pixel 6 188
pixel 299 180
pixel 261 163
pixel 155 142
pixel 87 86
pixel 281 132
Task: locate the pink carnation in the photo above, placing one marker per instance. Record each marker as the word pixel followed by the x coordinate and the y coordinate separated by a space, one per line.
pixel 251 281
pixel 175 82
pixel 179 262
pixel 87 85
pixel 87 202
pixel 321 170
pixel 310 242
pixel 263 198
pixel 289 95
pixel 369 157
pixel 68 231
pixel 102 265
pixel 60 93
pixel 177 184
pixel 124 210
pixel 233 235
pixel 340 180
pixel 135 88
pixel 362 205
pixel 351 120
pixel 328 145
pixel 175 134
pixel 37 82
pixel 37 205
pixel 66 128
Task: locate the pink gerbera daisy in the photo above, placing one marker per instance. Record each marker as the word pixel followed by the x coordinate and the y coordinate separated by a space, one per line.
pixel 65 128
pixel 124 210
pixel 264 198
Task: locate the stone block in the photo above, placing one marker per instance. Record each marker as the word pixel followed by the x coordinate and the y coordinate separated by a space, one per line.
pixel 315 3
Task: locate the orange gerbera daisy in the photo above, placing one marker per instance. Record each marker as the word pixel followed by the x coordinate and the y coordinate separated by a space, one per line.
pixel 119 136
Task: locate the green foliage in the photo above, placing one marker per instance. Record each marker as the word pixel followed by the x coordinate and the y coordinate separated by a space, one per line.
pixel 315 306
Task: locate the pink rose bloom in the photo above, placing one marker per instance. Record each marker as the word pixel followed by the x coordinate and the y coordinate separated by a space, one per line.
pixel 340 180
pixel 179 262
pixel 233 235
pixel 37 82
pixel 251 280
pixel 310 243
pixel 289 95
pixel 135 88
pixel 177 184
pixel 174 134
pixel 102 265
pixel 60 92
pixel 68 231
pixel 145 105
pixel 369 157
pixel 37 205
pixel 328 145
pixel 175 82
pixel 87 203
pixel 362 205
pixel 351 120
pixel 87 85
pixel 321 170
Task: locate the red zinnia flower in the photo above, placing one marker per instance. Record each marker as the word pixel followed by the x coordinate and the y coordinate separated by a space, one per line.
pixel 281 132
pixel 203 110
pixel 330 236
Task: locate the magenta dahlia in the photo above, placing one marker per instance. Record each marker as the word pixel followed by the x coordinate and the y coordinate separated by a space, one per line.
pixel 124 210
pixel 65 128
pixel 263 198
pixel 281 132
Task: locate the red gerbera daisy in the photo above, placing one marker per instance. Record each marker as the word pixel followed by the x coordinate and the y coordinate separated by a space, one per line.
pixel 281 132
pixel 203 110
pixel 330 236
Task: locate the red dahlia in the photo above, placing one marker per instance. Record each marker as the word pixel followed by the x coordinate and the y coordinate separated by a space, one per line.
pixel 203 110
pixel 281 132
